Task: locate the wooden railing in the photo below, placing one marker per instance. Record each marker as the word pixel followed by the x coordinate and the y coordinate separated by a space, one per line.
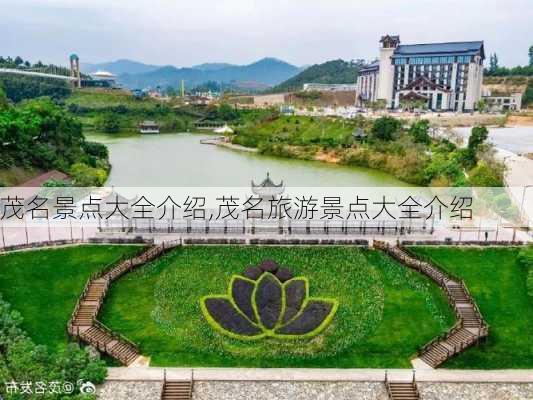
pixel 121 266
pixel 114 335
pixel 437 275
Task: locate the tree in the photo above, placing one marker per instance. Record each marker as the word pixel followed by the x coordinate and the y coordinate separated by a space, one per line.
pixel 86 176
pixel 481 105
pixel 485 175
pixel 18 61
pixel 18 87
pixel 109 123
pixel 3 99
pixel 468 156
pixel 478 136
pixel 531 56
pixel 385 128
pixel 493 63
pixel 171 91
pixel 527 98
pixel 419 131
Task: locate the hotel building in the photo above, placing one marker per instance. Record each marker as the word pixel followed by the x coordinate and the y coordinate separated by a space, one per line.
pixel 447 76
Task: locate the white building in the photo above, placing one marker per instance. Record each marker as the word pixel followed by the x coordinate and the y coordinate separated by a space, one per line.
pixel 446 76
pixel 503 101
pixel 106 77
pixel 329 87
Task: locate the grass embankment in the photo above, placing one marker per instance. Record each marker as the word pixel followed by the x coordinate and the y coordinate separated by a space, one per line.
pixel 498 285
pixel 115 111
pixel 44 285
pixel 14 176
pixel 404 150
pixel 386 312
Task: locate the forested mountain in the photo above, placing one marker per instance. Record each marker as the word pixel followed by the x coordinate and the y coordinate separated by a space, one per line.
pixel 119 67
pixel 335 71
pixel 268 71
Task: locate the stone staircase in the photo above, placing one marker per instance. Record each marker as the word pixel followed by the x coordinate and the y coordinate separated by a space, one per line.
pixel 403 391
pixel 470 327
pixel 84 325
pixel 177 390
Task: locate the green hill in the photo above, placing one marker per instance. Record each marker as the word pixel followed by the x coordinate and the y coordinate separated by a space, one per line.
pixel 335 71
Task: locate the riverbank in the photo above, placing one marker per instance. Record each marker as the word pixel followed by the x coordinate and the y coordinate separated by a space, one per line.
pixel 181 160
pixel 409 151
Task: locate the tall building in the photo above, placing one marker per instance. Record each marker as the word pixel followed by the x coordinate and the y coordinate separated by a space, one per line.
pixel 447 76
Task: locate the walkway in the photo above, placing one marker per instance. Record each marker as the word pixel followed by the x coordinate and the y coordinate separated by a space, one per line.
pixel 83 323
pixel 470 327
pixel 36 74
pixel 318 374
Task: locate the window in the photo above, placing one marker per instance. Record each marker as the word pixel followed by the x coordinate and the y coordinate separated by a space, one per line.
pixel 400 61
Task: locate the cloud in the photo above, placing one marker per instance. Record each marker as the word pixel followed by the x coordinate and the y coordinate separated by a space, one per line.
pixel 241 31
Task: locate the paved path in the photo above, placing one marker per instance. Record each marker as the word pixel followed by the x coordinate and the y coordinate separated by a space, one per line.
pixel 323 375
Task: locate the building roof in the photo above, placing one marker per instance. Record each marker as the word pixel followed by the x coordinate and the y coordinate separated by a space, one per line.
pixel 466 48
pixel 43 178
pixel 413 96
pixel 370 67
pixel 268 187
pixel 103 74
pixel 396 38
pixel 422 81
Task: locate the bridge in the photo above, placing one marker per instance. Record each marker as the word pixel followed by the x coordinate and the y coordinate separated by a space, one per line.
pixel 71 74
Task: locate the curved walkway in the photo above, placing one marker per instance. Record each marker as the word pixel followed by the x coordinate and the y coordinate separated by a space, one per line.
pixel 470 327
pixel 83 323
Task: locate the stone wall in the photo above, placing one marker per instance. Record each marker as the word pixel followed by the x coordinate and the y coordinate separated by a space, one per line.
pixel 297 390
pixel 224 390
pixel 475 391
pixel 130 390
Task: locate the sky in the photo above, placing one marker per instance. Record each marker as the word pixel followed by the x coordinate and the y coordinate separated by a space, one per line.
pixel 302 32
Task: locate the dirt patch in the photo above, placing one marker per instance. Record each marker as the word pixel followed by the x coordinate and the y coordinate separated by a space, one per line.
pixel 520 120
pixel 16 175
pixel 458 120
pixel 329 157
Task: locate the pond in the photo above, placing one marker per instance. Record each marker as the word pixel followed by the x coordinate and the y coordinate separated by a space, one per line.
pixel 181 160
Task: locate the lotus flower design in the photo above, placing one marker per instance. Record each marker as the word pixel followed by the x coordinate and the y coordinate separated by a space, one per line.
pixel 268 302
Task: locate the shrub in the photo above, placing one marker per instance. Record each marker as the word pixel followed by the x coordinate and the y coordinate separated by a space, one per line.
pixel 96 149
pixel 385 128
pixel 485 175
pixel 83 175
pixel 419 131
pixel 21 360
pixel 109 123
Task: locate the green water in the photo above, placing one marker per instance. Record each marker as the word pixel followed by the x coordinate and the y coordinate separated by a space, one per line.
pixel 181 160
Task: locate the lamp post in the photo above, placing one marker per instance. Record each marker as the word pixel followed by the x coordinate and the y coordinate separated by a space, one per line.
pixel 523 199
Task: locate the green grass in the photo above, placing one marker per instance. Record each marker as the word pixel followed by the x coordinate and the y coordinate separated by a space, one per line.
pixel 498 285
pixel 44 285
pixel 386 311
pixel 99 98
pixel 297 131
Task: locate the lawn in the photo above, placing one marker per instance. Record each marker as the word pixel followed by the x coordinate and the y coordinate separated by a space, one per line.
pixel 44 285
pixel 386 311
pixel 100 98
pixel 298 131
pixel 499 286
